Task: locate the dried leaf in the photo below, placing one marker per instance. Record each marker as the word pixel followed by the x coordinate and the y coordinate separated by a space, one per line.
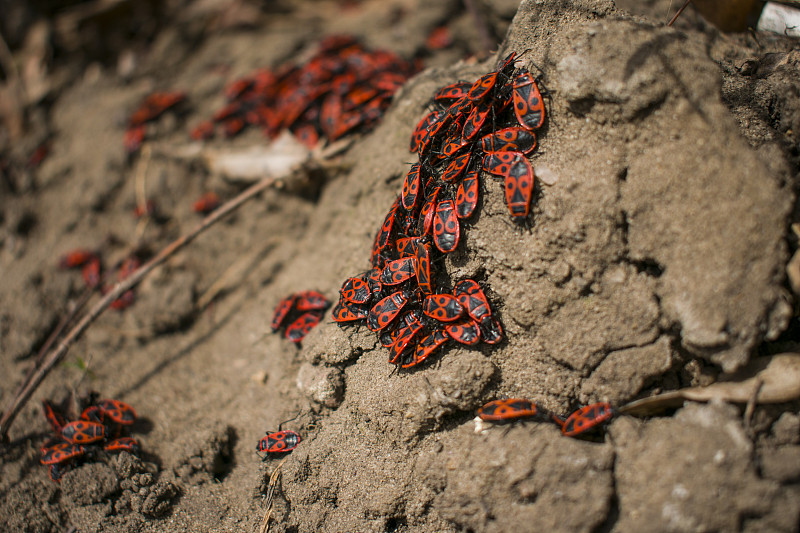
pixel 773 379
pixel 279 158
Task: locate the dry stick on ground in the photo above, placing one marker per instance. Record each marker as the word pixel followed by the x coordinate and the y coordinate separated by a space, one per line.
pixel 273 484
pixel 678 14
pixel 54 357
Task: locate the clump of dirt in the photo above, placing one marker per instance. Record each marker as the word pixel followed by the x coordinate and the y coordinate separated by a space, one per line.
pixel 655 259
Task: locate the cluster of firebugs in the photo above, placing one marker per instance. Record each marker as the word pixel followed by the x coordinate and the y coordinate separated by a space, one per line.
pixel 486 125
pixel 472 127
pixel 102 427
pixel 88 261
pixel 343 87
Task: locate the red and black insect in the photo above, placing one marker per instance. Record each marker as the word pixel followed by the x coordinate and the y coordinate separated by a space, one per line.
pixel 57 471
pixel 433 132
pixel 76 258
pixel 427 212
pixel 311 301
pixel 202 131
pixel 206 203
pixel 519 180
pixel 442 307
pixel 446 227
pixel 302 310
pixel 423 268
pixel 345 312
pixel 54 417
pixel 455 168
pixel 464 331
pixel 421 133
pixel 406 246
pixel 356 290
pixel 297 330
pixel 511 139
pixel 454 145
pixel 386 310
pixel 458 108
pixel 411 188
pixel 306 134
pixel 426 346
pixel 384 235
pixel 154 105
pixel 587 418
pixel 499 163
pixel 128 267
pixel 373 279
pixel 491 331
pixel 510 409
pixel 405 334
pixel 124 301
pixel 528 103
pixel 387 336
pixel 471 297
pixel 281 441
pixel 61 452
pixel 482 86
pixel 93 414
pixel 127 444
pixel 282 311
pixel 452 92
pixel 83 432
pixel 399 270
pixel 467 194
pixel 91 273
pixel 476 119
pixel 519 188
pixel 119 412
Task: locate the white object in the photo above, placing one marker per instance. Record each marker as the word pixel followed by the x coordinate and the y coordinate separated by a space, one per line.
pixel 780 19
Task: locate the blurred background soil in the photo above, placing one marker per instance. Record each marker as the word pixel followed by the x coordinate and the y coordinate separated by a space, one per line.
pixel 656 259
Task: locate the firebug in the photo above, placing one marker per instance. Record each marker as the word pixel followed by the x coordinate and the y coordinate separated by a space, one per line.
pixel 510 409
pixel 398 271
pixel 445 227
pixel 464 331
pixel 442 307
pixel 386 310
pixel 423 268
pixel 426 346
pixel 281 441
pixel 528 103
pixel 587 418
pixel 467 194
pixel 297 330
pixel 282 311
pixel 83 432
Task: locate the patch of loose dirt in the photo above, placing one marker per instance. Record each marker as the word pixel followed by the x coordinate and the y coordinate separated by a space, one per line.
pixel 655 259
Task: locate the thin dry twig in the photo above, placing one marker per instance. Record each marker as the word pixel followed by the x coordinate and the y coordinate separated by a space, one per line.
pixel 678 14
pixel 137 276
pixel 140 190
pixel 751 404
pixel 270 498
